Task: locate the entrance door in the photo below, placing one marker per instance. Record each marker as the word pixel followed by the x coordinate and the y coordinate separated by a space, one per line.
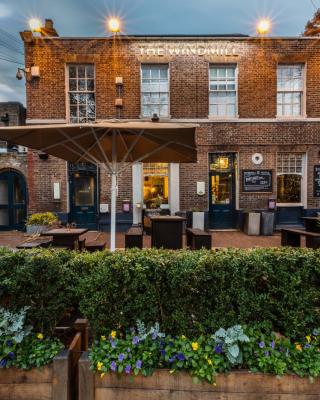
pixel 13 210
pixel 222 193
pixel 83 195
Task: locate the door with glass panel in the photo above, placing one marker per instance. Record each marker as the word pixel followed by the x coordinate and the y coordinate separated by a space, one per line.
pixel 222 194
pixel 13 210
pixel 83 195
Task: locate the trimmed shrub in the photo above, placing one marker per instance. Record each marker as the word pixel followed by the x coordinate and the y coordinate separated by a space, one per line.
pixel 197 292
pixel 40 280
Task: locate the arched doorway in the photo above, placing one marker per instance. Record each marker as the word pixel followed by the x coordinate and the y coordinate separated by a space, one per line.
pixel 13 200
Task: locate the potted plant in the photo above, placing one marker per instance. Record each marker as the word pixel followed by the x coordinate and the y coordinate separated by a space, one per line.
pixel 41 222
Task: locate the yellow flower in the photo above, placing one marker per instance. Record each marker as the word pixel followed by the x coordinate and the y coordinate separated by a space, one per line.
pixel 103 338
pixel 195 346
pixel 40 336
pixel 209 361
pixel 308 339
pixel 102 375
pixel 298 347
pixel 99 365
pixel 113 334
pixel 183 337
pixel 214 384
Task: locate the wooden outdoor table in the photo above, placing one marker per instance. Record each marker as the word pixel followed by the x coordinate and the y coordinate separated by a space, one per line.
pixel 312 224
pixel 64 237
pixel 167 232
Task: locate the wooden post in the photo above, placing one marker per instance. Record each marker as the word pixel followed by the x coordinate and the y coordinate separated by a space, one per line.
pixel 86 379
pixel 81 325
pixel 61 378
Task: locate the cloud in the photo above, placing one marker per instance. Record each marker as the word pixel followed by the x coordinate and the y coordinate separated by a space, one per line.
pixel 5 10
pixel 4 88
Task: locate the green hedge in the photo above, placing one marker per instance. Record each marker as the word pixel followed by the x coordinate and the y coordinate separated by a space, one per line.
pixel 194 292
pixel 40 279
pixel 187 292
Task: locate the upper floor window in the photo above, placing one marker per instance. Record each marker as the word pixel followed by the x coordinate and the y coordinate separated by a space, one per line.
pixel 223 91
pixel 155 90
pixel 290 91
pixel 81 93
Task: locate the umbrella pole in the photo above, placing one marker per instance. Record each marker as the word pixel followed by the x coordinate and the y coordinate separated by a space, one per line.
pixel 113 211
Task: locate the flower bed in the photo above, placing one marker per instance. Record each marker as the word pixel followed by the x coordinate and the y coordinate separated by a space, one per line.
pixel 127 364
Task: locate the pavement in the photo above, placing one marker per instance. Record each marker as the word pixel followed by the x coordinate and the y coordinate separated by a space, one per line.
pixel 219 239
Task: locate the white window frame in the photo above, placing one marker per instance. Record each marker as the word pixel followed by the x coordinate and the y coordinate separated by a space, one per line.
pixel 67 82
pixel 235 66
pixel 141 92
pixel 304 180
pixel 302 91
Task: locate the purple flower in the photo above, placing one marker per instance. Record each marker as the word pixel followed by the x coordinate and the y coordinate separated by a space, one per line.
pixel 138 364
pixel 218 348
pixel 171 360
pixel 113 343
pixel 162 343
pixel 307 346
pixel 113 366
pixel 3 363
pixel 135 340
pixel 171 344
pixel 127 369
pixel 11 355
pixel 154 336
pixel 163 352
pixel 266 353
pixel 273 344
pixel 181 357
pixel 9 343
pixel 121 357
pixel 128 350
pixel 261 345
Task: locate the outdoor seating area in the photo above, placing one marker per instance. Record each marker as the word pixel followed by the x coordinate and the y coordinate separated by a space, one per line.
pixel 292 237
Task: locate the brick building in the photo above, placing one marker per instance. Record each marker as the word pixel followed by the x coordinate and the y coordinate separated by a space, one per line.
pixel 256 100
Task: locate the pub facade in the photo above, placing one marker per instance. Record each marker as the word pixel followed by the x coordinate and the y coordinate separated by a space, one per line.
pixel 256 102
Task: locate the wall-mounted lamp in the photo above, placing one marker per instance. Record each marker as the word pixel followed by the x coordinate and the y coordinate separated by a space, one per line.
pixel 43 156
pixel 28 73
pixel 119 80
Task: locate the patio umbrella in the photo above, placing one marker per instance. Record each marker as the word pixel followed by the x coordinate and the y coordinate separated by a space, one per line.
pixel 110 145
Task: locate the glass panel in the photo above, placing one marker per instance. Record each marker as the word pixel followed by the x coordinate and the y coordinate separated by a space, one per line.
pixel 73 85
pixel 18 190
pixel 155 191
pixel 84 190
pixel 72 72
pixel 90 71
pixel 81 71
pixel 18 216
pixel 221 188
pixel 289 189
pixel 3 192
pixel 90 85
pixel 81 84
pixel 4 218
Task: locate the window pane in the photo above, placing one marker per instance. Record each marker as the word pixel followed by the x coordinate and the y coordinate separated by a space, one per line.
pixel 90 85
pixel 289 189
pixel 72 72
pixel 90 71
pixel 73 85
pixel 81 71
pixel 81 85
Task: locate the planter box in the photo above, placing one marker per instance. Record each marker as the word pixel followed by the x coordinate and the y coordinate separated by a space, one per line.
pixel 162 385
pixel 57 381
pixel 37 229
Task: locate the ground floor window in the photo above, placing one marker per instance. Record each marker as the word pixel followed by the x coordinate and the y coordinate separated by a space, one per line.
pixel 156 184
pixel 289 177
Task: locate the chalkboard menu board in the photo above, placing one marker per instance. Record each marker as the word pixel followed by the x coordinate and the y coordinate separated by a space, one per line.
pixel 316 181
pixel 257 181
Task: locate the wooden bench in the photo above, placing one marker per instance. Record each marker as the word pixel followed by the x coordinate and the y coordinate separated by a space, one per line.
pixel 134 238
pixel 292 237
pixel 196 239
pixel 33 243
pixel 96 243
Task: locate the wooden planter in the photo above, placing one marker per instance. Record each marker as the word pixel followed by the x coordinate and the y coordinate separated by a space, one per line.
pixel 162 385
pixel 57 381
